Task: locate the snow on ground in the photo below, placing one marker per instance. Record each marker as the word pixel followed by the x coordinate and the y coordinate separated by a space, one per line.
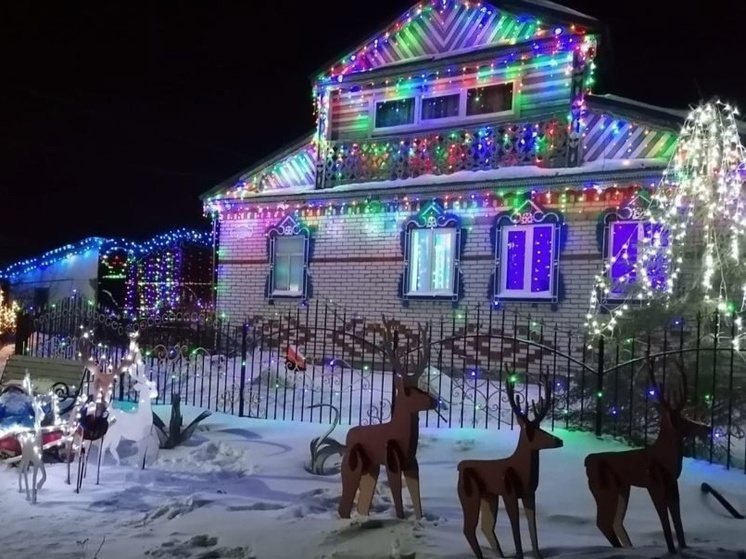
pixel 238 490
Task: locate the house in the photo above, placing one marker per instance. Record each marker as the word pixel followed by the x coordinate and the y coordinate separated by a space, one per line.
pixel 460 161
pixel 171 271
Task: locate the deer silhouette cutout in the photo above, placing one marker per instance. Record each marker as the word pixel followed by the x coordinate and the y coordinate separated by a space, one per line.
pixel 31 451
pixel 656 468
pixel 393 444
pixel 482 482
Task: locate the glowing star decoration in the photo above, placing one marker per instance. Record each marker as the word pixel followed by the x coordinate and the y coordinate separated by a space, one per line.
pixel 134 426
pixel 31 450
pixel 698 208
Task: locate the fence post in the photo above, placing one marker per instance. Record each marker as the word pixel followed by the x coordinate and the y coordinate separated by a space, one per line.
pixel 244 336
pixel 600 387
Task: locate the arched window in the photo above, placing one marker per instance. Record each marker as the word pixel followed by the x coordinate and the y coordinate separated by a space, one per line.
pixel 289 253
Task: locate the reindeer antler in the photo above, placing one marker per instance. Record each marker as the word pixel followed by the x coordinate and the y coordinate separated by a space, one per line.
pixel 540 409
pixel 423 353
pixel 659 395
pixel 388 344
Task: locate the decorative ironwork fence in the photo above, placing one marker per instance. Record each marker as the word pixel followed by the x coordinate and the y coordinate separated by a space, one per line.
pixel 300 365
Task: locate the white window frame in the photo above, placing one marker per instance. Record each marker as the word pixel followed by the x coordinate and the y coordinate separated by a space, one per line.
pixel 288 292
pixel 380 96
pixel 432 231
pixel 503 292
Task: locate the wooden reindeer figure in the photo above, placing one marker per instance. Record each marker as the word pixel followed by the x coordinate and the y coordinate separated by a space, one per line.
pixel 31 453
pixel 132 426
pixel 482 482
pixel 656 468
pixel 392 444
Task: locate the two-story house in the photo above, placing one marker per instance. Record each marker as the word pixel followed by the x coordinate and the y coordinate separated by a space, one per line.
pixel 459 160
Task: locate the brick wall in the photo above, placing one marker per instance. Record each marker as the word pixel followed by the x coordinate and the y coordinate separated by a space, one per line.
pixel 357 263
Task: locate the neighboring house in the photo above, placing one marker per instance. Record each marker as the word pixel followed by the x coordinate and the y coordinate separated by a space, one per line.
pixel 173 271
pixel 459 160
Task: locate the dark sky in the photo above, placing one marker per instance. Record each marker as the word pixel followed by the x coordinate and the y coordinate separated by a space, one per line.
pixel 115 116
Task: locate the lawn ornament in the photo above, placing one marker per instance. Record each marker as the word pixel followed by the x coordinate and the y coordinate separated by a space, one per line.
pixel 32 453
pixel 392 445
pixel 482 482
pixel 295 360
pixel 133 426
pixel 324 447
pixel 656 468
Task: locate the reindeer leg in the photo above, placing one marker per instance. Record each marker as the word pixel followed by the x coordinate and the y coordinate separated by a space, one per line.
pixel 353 464
pixel 604 492
pixel 81 457
pixel 368 483
pixel 657 491
pixel 674 506
pixel 489 520
pixel 511 506
pixel 100 457
pixel 20 476
pixel 394 472
pixel 43 471
pixel 529 507
pixel 87 457
pixel 469 496
pixel 412 479
pixel 33 481
pixel 621 511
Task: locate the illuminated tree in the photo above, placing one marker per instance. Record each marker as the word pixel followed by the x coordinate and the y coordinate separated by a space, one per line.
pixel 7 315
pixel 689 255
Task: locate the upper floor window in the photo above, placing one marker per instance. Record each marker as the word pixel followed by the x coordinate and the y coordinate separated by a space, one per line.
pixel 399 112
pixel 489 100
pixel 527 254
pixel 442 106
pixel 432 249
pixel 472 102
pixel 289 254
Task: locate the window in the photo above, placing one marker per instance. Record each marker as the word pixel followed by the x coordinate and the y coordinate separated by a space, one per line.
pixel 432 245
pixel 625 246
pixel 399 112
pixel 289 249
pixel 428 108
pixel 526 258
pixel 489 99
pixel 526 245
pixel 289 265
pixel 444 106
pixel 432 261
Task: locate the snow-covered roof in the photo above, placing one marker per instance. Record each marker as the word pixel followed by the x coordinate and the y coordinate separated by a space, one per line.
pixel 463 180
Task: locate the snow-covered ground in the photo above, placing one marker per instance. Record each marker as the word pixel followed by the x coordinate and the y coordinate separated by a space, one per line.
pixel 238 490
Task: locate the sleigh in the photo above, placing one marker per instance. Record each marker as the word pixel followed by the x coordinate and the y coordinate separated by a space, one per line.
pixel 10 447
pixel 296 361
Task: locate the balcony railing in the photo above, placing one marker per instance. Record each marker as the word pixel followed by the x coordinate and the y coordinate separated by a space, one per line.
pixel 477 148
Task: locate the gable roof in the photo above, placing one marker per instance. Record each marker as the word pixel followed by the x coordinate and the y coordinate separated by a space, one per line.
pixel 436 26
pixel 293 165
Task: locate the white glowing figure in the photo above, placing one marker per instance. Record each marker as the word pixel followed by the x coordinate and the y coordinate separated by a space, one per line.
pixel 133 426
pixel 31 450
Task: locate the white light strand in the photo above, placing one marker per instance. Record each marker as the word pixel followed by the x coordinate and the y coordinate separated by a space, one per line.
pixel 698 204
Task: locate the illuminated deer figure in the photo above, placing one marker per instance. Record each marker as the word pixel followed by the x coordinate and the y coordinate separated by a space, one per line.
pixel 656 468
pixel 392 445
pixel 134 426
pixel 482 482
pixel 102 379
pixel 31 450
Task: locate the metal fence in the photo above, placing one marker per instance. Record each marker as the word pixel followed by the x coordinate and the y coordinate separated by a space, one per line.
pixel 313 363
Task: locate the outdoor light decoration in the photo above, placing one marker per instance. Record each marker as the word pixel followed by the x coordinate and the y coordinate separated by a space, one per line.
pixel 698 203
pixel 8 314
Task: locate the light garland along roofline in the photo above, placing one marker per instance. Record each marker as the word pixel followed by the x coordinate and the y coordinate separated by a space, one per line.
pixel 321 199
pixel 426 184
pixel 105 246
pixel 523 11
pixel 426 67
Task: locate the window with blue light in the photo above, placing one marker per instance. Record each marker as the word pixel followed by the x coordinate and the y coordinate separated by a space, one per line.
pixel 527 254
pixel 625 246
pixel 289 254
pixel 399 112
pixel 432 244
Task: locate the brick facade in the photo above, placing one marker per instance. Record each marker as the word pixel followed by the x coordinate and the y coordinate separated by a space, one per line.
pixel 357 263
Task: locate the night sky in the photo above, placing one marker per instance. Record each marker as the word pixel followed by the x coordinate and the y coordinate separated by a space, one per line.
pixel 115 116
